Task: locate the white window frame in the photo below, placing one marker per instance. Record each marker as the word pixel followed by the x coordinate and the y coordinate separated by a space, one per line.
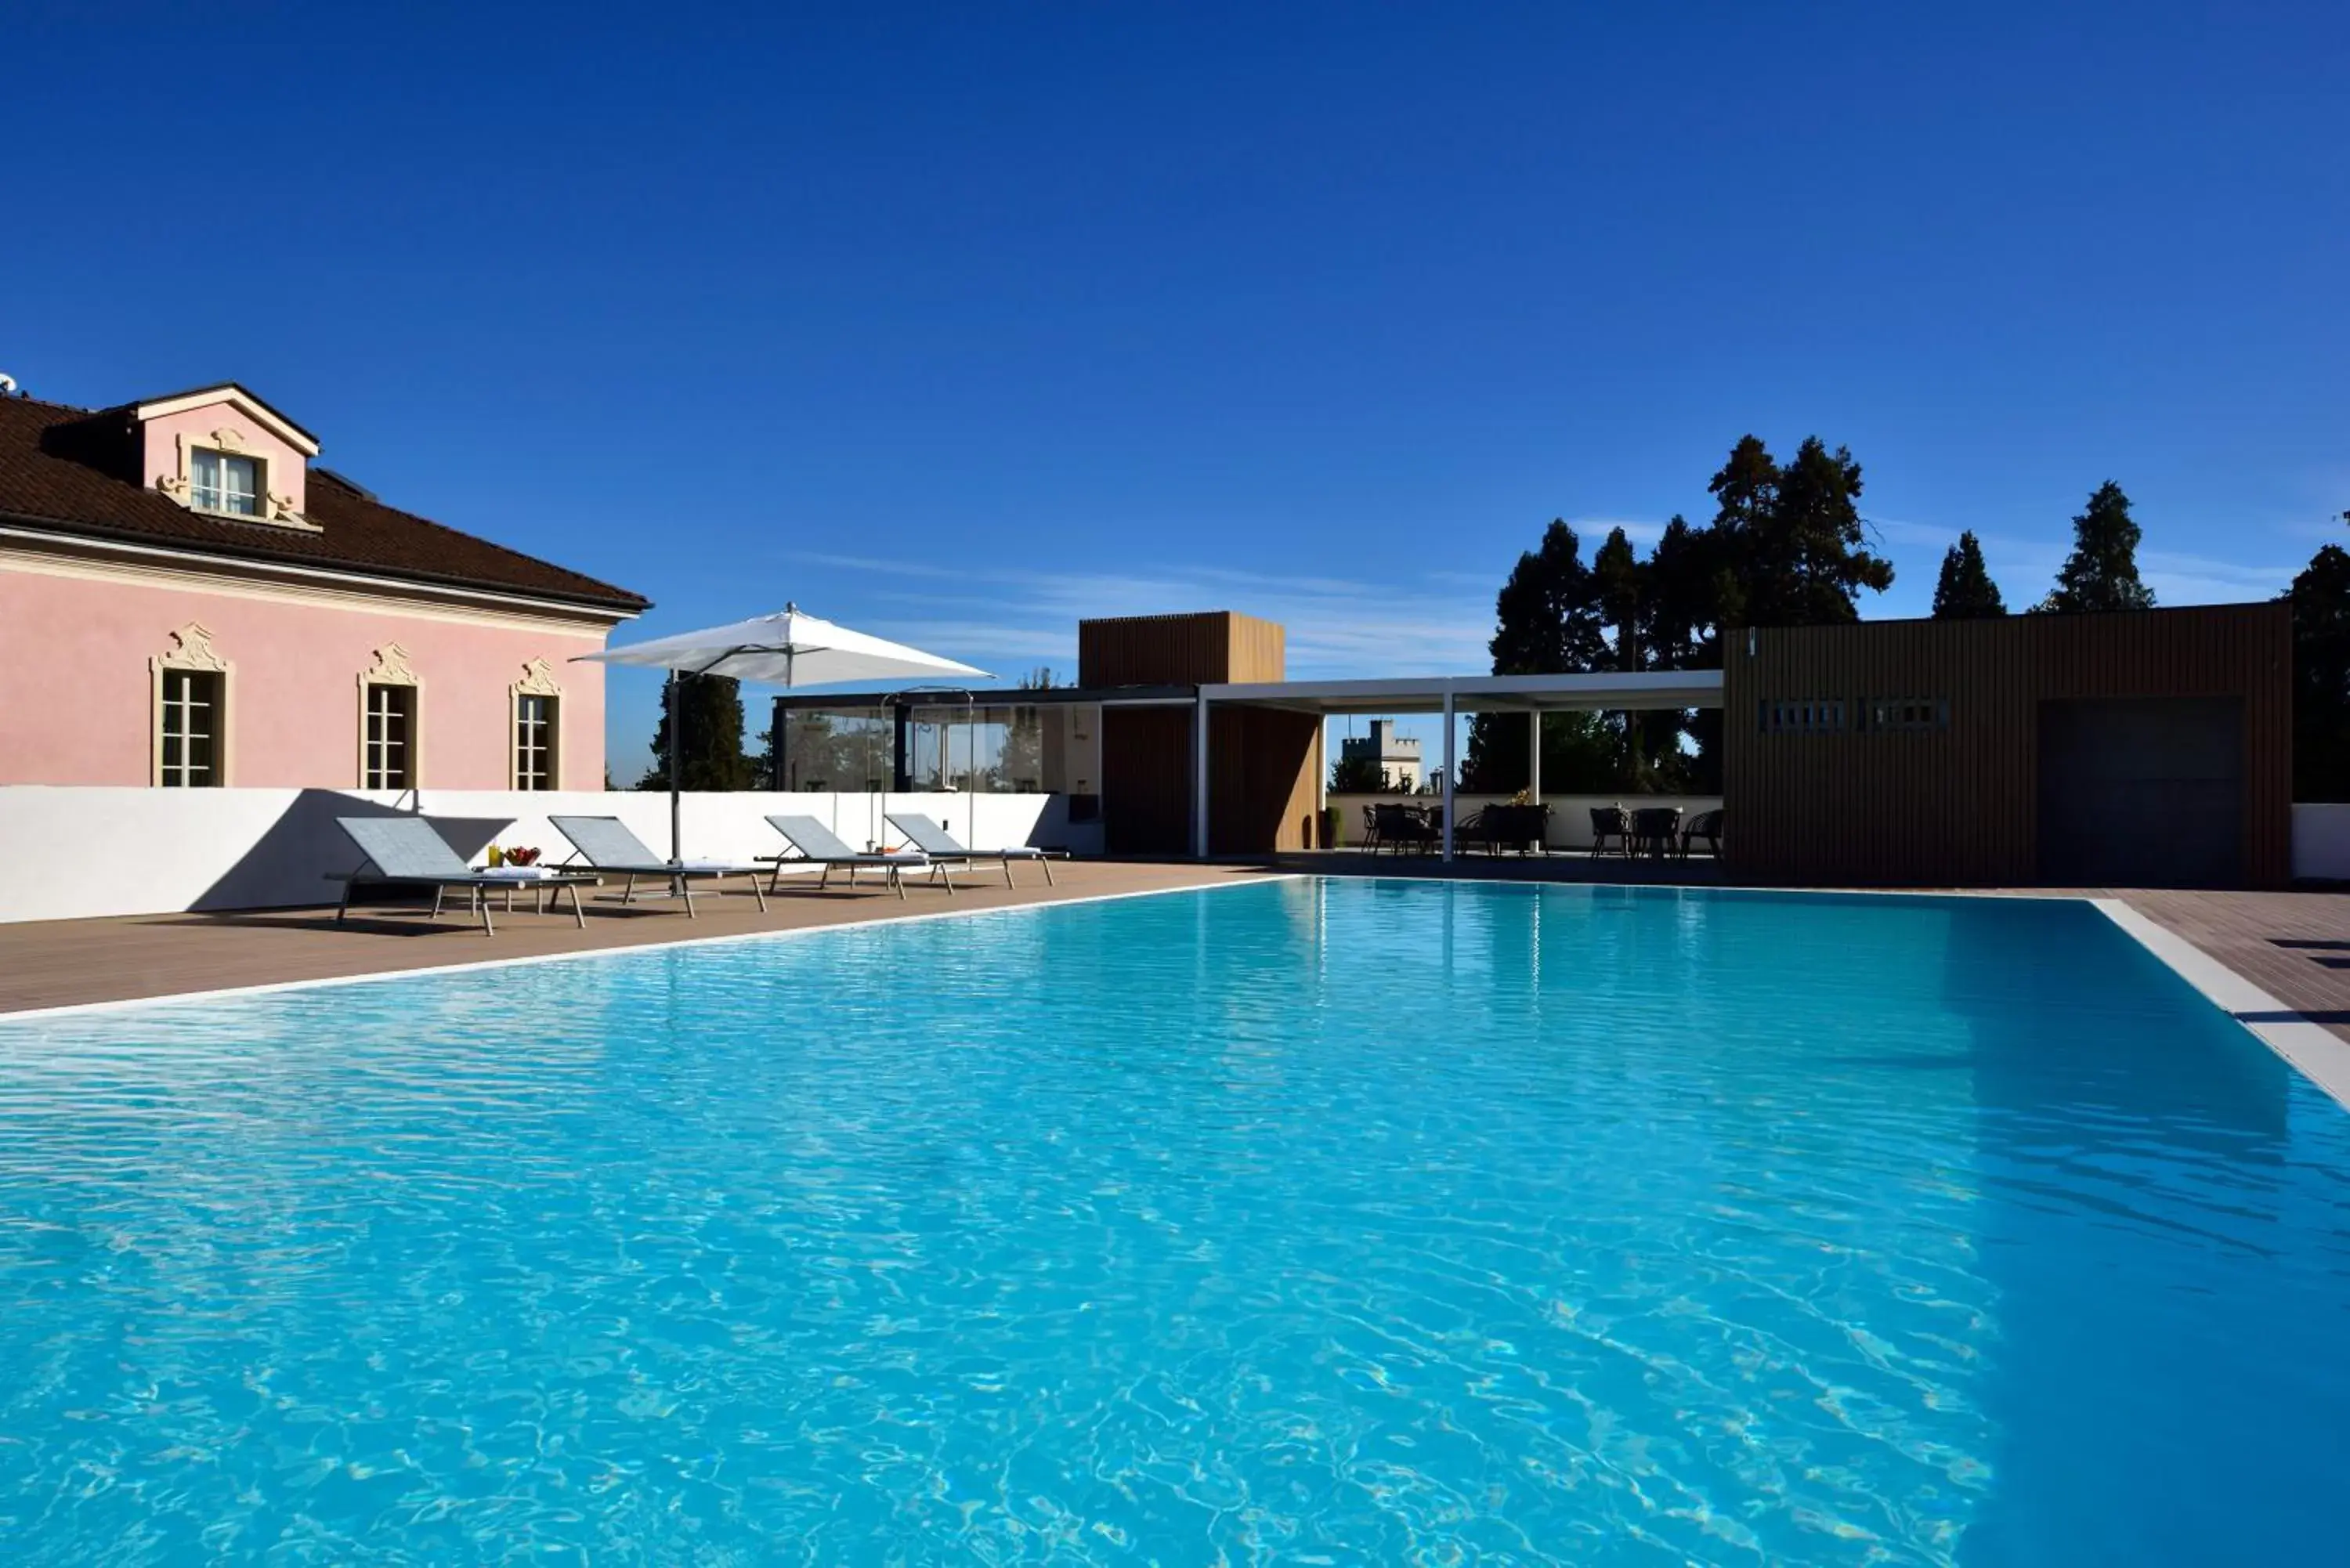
pixel 537 718
pixel 258 508
pixel 192 651
pixel 391 670
pixel 538 680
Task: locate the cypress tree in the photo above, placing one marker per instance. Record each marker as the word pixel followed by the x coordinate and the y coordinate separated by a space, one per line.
pixel 713 758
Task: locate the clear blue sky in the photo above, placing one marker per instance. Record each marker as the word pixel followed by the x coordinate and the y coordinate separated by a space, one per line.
pixel 958 323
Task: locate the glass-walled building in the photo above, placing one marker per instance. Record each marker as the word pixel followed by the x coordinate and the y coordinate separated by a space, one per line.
pixel 1044 744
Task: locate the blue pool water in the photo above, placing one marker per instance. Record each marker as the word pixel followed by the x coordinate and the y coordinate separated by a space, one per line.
pixel 1299 1222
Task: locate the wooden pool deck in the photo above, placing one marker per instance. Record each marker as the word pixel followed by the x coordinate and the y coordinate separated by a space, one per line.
pixel 2294 945
pixel 63 963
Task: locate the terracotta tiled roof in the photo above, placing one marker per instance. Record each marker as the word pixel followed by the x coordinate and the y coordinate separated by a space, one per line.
pixel 72 470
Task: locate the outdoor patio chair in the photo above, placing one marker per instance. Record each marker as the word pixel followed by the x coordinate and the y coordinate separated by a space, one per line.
pixel 1371 828
pixel 607 845
pixel 816 846
pixel 406 849
pixel 1611 822
pixel 1404 827
pixel 1655 829
pixel 932 837
pixel 1705 824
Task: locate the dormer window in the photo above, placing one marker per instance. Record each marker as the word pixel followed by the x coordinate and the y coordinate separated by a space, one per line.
pixel 224 451
pixel 224 482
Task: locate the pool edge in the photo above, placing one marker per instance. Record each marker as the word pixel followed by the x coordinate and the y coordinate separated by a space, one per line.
pixel 2309 1047
pixel 376 977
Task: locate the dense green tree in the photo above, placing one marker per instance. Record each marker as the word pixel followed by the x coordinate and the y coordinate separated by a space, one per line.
pixel 1357 775
pixel 2321 676
pixel 1546 617
pixel 1788 546
pixel 1546 621
pixel 1965 591
pixel 1620 592
pixel 1686 588
pixel 713 758
pixel 1807 560
pixel 2100 574
pixel 1690 584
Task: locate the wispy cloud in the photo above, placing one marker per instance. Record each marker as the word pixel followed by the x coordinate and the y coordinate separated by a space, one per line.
pixel 2178 579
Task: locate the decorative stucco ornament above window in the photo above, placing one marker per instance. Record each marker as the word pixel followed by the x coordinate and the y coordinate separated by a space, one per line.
pixel 537 680
pixel 192 648
pixel 390 668
pixel 225 453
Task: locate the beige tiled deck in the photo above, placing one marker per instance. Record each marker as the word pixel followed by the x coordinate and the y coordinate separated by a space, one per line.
pixel 57 963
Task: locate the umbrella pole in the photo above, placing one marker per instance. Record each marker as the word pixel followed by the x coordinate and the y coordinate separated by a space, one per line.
pixel 676 762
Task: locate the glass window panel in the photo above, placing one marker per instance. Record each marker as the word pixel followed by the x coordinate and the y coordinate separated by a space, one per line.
pixel 207 479
pixel 390 712
pixel 239 491
pixel 846 751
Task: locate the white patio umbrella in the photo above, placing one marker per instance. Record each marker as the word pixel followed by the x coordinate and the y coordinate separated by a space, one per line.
pixel 788 648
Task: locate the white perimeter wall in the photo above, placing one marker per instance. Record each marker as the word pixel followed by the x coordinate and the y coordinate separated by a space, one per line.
pixel 1570 814
pixel 70 852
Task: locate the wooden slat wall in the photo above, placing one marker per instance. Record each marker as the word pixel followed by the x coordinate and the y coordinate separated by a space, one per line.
pixel 1207 649
pixel 1263 765
pixel 1260 649
pixel 1146 760
pixel 1959 808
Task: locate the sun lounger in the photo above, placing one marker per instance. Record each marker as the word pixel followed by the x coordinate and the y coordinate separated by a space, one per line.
pixel 605 843
pixel 931 836
pixel 406 849
pixel 818 847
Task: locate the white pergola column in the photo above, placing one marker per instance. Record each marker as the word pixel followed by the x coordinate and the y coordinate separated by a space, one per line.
pixel 1534 752
pixel 1199 778
pixel 1449 768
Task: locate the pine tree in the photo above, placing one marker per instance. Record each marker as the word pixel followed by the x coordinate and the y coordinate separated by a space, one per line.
pixel 714 757
pixel 2100 574
pixel 1965 591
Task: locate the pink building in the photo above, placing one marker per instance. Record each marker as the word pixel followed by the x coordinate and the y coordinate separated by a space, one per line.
pixel 187 601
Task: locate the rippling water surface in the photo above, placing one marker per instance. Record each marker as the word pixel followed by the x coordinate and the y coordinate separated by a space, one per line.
pixel 1299 1223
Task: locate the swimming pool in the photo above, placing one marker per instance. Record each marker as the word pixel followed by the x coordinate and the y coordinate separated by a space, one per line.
pixel 1304 1221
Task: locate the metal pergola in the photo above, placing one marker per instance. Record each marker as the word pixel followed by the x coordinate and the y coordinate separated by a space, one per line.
pixel 1449 695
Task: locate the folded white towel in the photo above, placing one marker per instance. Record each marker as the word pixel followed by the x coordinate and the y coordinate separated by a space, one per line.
pixel 515 873
pixel 705 866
